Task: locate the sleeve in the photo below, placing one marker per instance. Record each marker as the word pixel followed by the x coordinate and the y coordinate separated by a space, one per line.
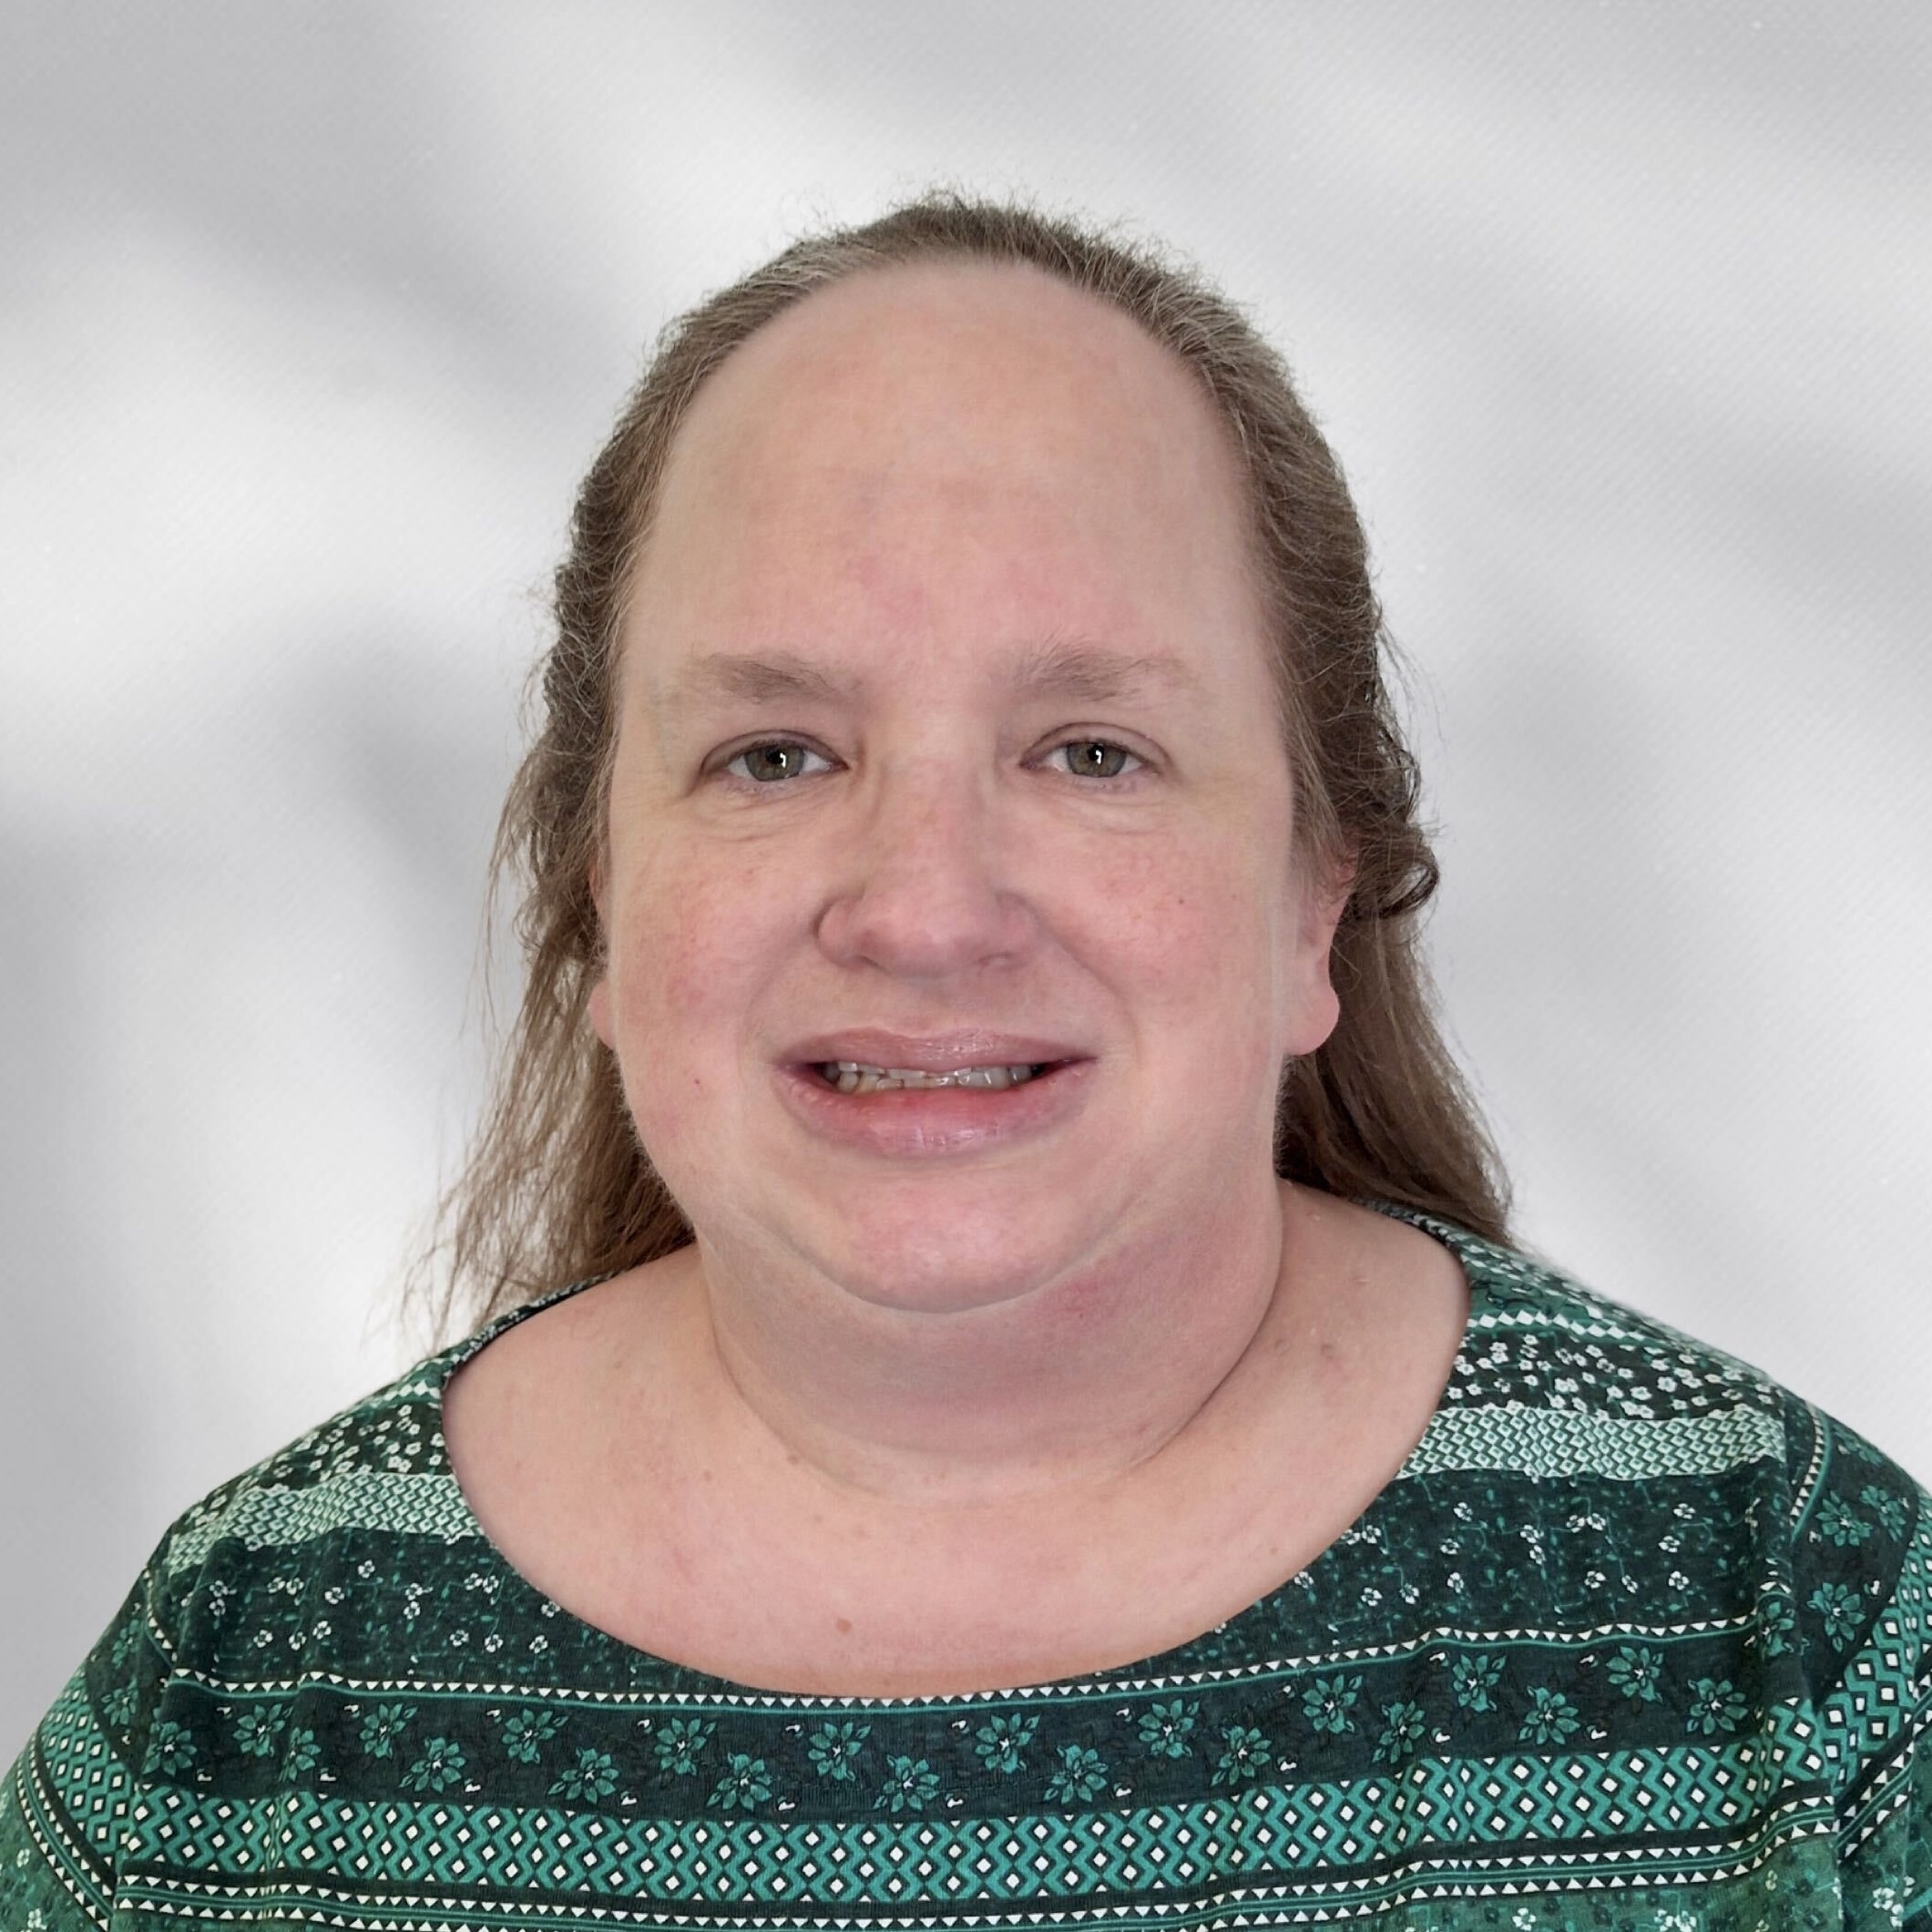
pixel 67 1803
pixel 1862 1564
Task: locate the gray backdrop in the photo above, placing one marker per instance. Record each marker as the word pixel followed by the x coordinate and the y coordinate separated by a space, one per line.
pixel 310 315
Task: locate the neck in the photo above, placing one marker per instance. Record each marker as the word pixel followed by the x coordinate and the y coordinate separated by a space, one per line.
pixel 1081 1381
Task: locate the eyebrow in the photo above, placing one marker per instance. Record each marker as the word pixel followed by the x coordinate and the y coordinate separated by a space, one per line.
pixel 1057 666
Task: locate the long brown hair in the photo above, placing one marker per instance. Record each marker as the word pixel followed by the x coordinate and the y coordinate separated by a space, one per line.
pixel 557 1187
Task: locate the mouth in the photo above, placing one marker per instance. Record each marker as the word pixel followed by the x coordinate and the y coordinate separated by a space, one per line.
pixel 856 1077
pixel 909 1113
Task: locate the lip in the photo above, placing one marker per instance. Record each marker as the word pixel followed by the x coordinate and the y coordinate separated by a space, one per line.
pixel 916 1123
pixel 930 1052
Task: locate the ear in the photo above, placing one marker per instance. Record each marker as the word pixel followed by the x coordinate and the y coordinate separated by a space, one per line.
pixel 598 1008
pixel 1325 896
pixel 1323 899
pixel 597 1005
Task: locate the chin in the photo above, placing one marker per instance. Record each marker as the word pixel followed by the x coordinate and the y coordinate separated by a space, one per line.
pixel 929 1275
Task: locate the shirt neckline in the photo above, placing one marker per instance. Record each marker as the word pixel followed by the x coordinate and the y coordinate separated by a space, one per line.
pixel 1472 1254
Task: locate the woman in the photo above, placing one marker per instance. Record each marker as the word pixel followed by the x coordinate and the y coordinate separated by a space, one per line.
pixel 1003 1388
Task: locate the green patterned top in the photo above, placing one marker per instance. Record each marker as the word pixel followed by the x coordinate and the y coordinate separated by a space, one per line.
pixel 1634 1639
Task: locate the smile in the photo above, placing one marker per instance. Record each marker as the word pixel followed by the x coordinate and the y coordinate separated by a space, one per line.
pixel 856 1077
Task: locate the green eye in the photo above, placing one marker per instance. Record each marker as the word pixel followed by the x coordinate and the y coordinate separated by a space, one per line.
pixel 1106 766
pixel 774 760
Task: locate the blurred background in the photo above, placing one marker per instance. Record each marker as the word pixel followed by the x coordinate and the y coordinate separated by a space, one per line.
pixel 311 315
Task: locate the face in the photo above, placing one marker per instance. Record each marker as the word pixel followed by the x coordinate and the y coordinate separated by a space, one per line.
pixel 940 506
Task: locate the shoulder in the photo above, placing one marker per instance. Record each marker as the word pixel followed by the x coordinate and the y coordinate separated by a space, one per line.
pixel 377 1464
pixel 319 1556
pixel 238 1592
pixel 310 1545
pixel 233 1588
pixel 348 1561
pixel 1817 1538
pixel 1556 1358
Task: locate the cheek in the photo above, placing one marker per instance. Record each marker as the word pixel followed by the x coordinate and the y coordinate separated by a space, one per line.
pixel 1187 930
pixel 693 949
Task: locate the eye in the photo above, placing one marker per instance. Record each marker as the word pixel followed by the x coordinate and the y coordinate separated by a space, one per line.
pixel 1106 768
pixel 772 760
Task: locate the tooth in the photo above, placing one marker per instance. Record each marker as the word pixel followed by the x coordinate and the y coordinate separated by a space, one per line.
pixel 856 1077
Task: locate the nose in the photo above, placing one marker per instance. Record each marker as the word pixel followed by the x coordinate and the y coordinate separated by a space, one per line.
pixel 927 890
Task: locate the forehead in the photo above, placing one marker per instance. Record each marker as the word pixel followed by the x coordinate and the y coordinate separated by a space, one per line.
pixel 979 432
pixel 895 344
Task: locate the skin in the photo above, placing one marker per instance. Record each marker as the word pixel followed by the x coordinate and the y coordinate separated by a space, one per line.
pixel 1120 1361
